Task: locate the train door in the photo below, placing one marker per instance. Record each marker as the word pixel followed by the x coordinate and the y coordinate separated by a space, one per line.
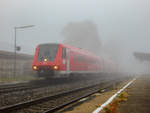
pixel 68 61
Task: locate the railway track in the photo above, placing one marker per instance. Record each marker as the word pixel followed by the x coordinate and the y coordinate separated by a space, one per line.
pixel 28 85
pixel 33 85
pixel 52 103
pixel 19 87
pixel 13 97
pixel 13 88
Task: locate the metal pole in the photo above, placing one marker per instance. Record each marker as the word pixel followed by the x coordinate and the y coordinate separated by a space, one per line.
pixel 15 52
pixel 15 45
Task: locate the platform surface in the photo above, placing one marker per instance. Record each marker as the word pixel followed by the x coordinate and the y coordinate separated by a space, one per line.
pixel 138 100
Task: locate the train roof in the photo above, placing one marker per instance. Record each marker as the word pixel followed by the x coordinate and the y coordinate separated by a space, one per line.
pixel 79 50
pixel 48 44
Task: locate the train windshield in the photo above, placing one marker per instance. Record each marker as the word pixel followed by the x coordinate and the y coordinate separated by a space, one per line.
pixel 47 51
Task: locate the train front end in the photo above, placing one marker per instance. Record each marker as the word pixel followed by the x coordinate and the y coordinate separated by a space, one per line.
pixel 47 59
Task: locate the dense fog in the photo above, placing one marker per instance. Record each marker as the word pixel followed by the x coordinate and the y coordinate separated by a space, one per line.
pixel 114 29
pixel 83 35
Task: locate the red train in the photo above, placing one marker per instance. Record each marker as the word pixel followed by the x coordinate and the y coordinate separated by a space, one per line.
pixel 61 59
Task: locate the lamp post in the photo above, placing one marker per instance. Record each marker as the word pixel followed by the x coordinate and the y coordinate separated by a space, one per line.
pixel 15 45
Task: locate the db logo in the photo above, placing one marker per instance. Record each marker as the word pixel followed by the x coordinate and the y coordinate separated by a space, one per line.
pixel 44 62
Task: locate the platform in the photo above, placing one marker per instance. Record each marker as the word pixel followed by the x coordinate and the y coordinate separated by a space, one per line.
pixel 138 100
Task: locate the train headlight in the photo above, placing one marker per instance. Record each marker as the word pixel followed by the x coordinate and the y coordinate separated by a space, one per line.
pixel 35 67
pixel 55 67
pixel 45 59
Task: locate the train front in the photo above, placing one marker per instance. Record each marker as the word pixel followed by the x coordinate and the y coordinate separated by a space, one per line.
pixel 46 59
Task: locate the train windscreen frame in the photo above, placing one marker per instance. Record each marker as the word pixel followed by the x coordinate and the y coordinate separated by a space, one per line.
pixel 47 51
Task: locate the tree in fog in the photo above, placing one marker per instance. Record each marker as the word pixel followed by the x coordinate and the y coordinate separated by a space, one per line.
pixel 82 35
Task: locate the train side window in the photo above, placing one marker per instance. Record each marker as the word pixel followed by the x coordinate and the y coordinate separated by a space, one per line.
pixel 74 58
pixel 82 59
pixel 64 53
pixel 77 59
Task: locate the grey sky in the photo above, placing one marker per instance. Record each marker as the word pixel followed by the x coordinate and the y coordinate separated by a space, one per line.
pixel 124 21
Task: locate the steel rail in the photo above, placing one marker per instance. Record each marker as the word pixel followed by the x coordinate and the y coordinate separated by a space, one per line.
pixel 18 88
pixel 8 109
pixel 21 105
pixel 78 98
pixel 70 102
pixel 22 86
pixel 28 85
